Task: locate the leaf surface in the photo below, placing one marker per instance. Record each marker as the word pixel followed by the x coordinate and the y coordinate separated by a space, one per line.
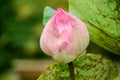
pixel 102 18
pixel 88 67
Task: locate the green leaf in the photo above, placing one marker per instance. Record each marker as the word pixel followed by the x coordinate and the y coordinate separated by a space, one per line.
pixel 102 18
pixel 88 67
pixel 48 13
pixel 118 66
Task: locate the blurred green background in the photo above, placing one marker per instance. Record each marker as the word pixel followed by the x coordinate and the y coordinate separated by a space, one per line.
pixel 20 29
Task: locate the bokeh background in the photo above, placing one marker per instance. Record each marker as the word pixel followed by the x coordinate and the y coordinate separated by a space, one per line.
pixel 20 27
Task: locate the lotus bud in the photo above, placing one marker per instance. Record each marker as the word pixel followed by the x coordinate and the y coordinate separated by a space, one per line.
pixel 64 37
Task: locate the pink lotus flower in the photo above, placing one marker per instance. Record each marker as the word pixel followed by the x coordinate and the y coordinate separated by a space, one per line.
pixel 64 37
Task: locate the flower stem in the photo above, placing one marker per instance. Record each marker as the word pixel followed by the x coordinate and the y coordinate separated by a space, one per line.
pixel 71 70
